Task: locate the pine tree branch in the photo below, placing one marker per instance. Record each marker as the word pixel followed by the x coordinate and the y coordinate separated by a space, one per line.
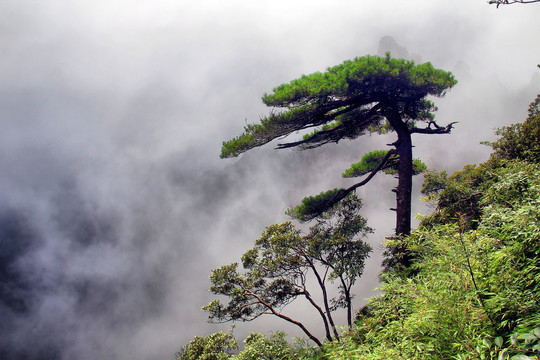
pixel 436 130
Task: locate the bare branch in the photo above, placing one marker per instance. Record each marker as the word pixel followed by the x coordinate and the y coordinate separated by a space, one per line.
pixel 436 130
pixel 510 2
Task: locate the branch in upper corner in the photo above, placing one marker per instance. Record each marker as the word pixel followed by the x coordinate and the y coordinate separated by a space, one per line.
pixel 508 2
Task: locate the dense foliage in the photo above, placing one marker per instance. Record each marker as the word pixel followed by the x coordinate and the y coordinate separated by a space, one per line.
pixel 468 284
pixel 521 141
pixel 461 192
pixel 217 346
pixel 472 289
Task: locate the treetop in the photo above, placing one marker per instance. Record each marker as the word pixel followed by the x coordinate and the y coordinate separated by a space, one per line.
pixel 352 97
pixel 367 76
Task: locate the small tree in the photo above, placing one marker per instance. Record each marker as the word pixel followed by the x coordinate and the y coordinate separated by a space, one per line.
pixel 276 270
pixel 332 243
pixel 365 95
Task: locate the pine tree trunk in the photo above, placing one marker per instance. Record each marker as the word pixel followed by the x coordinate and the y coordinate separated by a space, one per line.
pixel 404 189
pixel 403 197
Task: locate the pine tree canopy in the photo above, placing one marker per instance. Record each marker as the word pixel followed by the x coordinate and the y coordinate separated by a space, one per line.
pixel 347 101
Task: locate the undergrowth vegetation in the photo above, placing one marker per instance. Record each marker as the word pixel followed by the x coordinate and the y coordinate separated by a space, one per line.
pixel 472 291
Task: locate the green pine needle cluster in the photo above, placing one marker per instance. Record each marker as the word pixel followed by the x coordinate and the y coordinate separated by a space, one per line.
pixel 361 75
pixel 345 102
pixel 369 162
pixel 313 206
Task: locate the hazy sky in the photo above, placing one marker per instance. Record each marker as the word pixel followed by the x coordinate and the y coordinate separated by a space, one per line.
pixel 114 204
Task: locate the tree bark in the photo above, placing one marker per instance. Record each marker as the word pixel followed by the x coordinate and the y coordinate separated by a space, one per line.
pixel 321 312
pixel 404 188
pixel 326 306
pixel 405 171
pixel 300 325
pixel 349 303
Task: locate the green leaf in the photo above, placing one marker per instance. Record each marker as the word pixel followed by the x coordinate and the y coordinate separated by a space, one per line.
pixel 499 341
pixel 527 337
pixel 513 339
pixel 503 355
pixel 521 357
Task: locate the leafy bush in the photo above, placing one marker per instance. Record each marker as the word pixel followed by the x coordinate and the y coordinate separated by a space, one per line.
pixel 276 347
pixel 259 347
pixel 459 194
pixel 217 346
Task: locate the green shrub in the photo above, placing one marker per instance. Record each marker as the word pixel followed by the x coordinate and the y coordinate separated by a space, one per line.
pixel 217 346
pixel 276 347
pixel 259 347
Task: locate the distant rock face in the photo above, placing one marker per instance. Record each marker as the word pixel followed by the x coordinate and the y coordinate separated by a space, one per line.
pixel 462 70
pixel 389 44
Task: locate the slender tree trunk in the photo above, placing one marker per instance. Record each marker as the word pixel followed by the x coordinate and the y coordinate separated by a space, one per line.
pixel 326 305
pixel 321 312
pixel 348 300
pixel 349 307
pixel 328 312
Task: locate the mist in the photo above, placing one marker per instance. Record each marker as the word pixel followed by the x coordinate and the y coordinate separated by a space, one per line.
pixel 114 204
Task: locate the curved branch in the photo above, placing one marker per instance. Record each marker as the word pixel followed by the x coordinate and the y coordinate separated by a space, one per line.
pixel 330 198
pixel 321 312
pixel 373 172
pixel 507 2
pixel 348 298
pixel 437 130
pixel 286 318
